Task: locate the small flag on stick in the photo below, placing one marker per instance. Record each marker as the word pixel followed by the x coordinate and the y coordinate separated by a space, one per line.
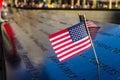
pixel 70 42
pixel 82 19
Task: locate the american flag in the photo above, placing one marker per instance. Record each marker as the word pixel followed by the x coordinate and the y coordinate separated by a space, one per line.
pixel 93 28
pixel 90 24
pixel 70 42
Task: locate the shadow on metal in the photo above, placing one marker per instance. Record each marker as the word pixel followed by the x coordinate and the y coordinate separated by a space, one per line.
pixel 116 17
pixel 9 45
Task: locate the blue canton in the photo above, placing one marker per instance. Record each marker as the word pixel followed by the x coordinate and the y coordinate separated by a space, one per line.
pixel 77 32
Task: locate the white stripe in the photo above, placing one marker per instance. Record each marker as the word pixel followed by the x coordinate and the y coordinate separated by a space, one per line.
pixel 71 44
pixel 70 50
pixel 69 55
pixel 57 41
pixel 51 39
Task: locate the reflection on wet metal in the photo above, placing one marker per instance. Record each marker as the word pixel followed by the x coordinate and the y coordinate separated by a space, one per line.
pixel 109 34
pixel 93 31
pixel 68 72
pixel 107 47
pixel 103 45
pixel 105 67
pixel 83 55
pixel 35 74
pixel 81 67
pixel 27 62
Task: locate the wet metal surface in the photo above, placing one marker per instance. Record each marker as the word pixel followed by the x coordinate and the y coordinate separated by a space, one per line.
pixel 38 60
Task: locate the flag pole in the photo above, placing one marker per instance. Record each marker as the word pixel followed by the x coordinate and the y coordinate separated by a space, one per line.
pixel 96 58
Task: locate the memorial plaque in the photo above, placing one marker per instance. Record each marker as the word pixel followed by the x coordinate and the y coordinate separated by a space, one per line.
pixel 81 67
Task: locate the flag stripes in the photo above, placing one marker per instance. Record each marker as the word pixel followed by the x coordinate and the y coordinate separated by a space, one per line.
pixel 65 48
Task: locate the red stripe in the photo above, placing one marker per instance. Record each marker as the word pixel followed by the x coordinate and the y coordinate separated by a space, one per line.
pixel 74 54
pixel 63 45
pixel 61 42
pixel 73 46
pixel 60 38
pixel 58 33
pixel 10 34
pixel 74 50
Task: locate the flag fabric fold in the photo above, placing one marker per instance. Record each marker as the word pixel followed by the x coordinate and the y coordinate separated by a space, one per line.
pixel 93 28
pixel 70 42
pixel 90 24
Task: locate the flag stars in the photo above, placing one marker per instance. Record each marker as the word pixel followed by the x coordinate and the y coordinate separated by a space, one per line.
pixel 77 32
